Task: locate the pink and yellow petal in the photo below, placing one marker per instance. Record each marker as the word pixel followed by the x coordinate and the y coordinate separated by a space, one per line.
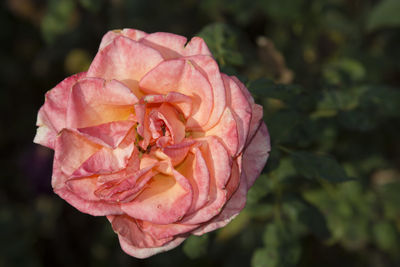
pixel 164 201
pixel 124 60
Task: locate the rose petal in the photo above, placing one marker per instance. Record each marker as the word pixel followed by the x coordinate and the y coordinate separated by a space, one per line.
pixel 178 100
pixel 195 169
pixel 161 231
pixel 72 150
pixel 255 122
pixel 57 99
pixel 256 154
pixel 227 131
pixel 143 253
pixel 45 133
pixel 95 208
pixel 219 166
pixel 132 34
pixel 182 76
pixel 128 229
pixel 52 115
pixel 168 44
pixel 124 60
pixel 126 188
pixel 178 152
pixel 104 161
pixel 197 46
pixel 232 208
pixel 111 133
pixel 241 110
pixel 176 127
pixel 94 101
pixel 210 69
pixel 164 201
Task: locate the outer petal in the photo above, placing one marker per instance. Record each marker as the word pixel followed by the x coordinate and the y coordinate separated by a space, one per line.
pixel 161 231
pixel 168 44
pixel 165 201
pixel 197 46
pixel 124 60
pixel 255 122
pixel 95 208
pixel 143 253
pixel 230 210
pixel 52 115
pixel 94 101
pixel 127 228
pixel 45 133
pixel 182 76
pixel 256 154
pixel 71 151
pixel 132 34
pixel 241 109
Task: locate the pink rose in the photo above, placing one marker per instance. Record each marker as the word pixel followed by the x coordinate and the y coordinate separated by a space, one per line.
pixel 154 137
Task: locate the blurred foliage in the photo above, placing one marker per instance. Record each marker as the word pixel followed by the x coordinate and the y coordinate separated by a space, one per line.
pixel 328 76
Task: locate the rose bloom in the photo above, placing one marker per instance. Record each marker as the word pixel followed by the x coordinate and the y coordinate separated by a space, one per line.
pixel 154 137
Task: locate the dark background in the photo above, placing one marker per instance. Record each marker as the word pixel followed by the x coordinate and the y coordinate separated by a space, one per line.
pixel 328 75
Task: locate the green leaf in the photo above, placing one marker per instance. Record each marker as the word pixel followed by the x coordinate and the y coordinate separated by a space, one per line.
pixel 260 189
pixel 386 236
pixel 92 5
pixel 282 247
pixel 222 40
pixel 385 14
pixel 315 166
pixel 265 257
pixel 58 19
pixel 196 246
pixel 267 88
pixel 343 70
